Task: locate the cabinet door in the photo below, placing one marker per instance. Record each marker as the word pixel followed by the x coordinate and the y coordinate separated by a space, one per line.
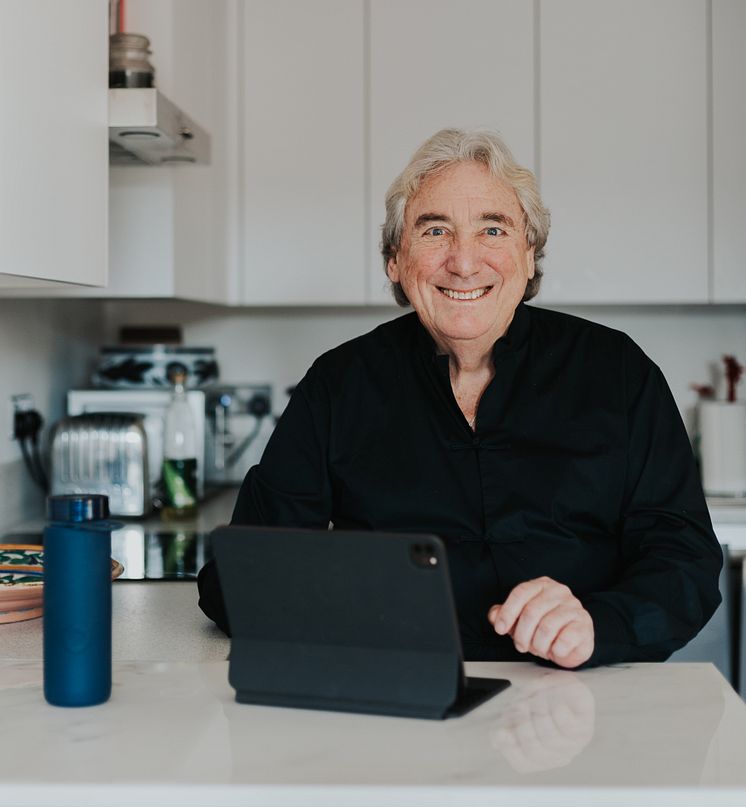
pixel 172 227
pixel 302 220
pixel 623 150
pixel 437 64
pixel 54 158
pixel 729 154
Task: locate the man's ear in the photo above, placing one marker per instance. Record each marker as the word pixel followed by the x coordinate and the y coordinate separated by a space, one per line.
pixel 530 262
pixel 392 269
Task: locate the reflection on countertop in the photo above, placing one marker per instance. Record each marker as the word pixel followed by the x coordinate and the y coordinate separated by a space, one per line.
pixel 651 727
pixel 152 548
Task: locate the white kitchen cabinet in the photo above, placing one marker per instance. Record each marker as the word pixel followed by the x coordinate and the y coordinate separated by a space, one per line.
pixel 729 154
pixel 302 157
pixel 623 150
pixel 436 64
pixel 53 141
pixel 172 226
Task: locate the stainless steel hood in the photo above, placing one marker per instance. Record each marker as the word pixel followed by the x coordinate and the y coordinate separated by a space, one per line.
pixel 146 128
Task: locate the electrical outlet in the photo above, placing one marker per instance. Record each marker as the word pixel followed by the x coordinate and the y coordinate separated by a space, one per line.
pixel 18 403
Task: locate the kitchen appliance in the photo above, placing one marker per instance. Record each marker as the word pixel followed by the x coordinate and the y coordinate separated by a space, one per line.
pixel 151 366
pixel 145 127
pixel 152 405
pixel 160 554
pixel 103 453
pixel 238 425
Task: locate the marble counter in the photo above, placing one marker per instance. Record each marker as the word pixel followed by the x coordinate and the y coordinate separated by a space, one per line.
pixel 172 734
pixel 151 621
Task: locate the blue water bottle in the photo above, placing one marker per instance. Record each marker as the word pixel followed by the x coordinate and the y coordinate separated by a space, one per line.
pixel 77 600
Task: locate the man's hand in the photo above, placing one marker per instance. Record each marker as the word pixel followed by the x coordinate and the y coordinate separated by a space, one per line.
pixel 544 618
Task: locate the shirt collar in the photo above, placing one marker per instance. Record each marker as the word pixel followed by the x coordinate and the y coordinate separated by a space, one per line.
pixel 511 341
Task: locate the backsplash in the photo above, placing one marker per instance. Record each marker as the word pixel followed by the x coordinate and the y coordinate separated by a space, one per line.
pixel 278 345
pixel 45 346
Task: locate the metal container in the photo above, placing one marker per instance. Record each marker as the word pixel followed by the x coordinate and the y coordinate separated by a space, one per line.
pixel 103 453
pixel 128 61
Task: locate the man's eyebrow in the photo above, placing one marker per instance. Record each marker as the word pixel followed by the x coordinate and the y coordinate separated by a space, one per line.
pixel 426 218
pixel 498 218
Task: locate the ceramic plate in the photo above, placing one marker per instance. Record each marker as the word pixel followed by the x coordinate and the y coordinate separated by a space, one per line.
pixel 20 615
pixel 22 581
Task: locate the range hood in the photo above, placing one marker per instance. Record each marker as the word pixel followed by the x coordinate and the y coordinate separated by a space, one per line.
pixel 146 128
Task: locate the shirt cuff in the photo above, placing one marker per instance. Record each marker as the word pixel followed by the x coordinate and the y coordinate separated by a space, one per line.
pixel 612 641
pixel 211 596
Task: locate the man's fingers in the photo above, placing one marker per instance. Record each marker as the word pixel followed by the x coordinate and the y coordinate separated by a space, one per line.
pixel 549 628
pixel 533 615
pixel 573 645
pixel 517 599
pixel 544 618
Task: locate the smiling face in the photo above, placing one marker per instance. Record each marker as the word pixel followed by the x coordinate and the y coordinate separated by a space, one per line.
pixel 464 260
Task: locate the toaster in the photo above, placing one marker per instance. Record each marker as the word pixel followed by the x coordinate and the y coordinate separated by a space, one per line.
pixel 103 453
pixel 152 405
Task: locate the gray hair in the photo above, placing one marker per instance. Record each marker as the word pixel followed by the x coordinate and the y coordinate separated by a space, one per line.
pixel 449 146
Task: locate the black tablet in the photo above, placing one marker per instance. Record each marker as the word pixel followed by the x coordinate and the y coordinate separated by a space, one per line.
pixel 348 621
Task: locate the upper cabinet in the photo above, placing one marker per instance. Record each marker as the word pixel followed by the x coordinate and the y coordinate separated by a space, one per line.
pixel 171 227
pixel 53 142
pixel 632 118
pixel 302 161
pixel 729 154
pixel 623 150
pixel 434 64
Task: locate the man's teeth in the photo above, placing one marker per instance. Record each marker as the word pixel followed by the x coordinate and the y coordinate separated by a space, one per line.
pixel 465 295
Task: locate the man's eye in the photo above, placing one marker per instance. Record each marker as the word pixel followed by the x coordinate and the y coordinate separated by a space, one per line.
pixel 494 231
pixel 435 231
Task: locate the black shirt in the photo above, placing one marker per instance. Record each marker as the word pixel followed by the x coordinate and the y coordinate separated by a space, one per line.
pixel 579 469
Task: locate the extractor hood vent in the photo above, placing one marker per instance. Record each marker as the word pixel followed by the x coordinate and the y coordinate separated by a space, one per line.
pixel 145 127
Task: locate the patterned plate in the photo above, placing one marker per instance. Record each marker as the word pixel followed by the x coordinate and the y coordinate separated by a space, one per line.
pixel 21 615
pixel 22 581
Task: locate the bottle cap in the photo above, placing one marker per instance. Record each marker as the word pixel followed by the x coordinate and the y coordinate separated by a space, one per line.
pixel 78 507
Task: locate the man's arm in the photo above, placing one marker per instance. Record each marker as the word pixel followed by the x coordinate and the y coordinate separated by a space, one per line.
pixel 671 559
pixel 290 487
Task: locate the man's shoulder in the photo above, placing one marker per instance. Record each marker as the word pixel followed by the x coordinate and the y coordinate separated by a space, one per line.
pixel 557 325
pixel 586 340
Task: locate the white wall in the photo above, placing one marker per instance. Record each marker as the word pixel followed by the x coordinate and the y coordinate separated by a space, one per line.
pixel 277 345
pixel 45 347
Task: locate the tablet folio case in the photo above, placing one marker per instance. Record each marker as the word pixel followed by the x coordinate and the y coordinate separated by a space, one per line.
pixel 349 621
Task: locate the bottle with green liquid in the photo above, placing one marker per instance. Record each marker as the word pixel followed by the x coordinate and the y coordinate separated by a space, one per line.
pixel 179 455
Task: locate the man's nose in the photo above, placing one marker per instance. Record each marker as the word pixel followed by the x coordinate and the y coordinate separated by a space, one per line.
pixel 464 257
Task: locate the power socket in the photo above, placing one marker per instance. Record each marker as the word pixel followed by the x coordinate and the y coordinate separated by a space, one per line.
pixel 18 403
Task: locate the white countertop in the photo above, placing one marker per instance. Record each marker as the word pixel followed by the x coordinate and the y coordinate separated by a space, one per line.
pixel 729 522
pixel 172 734
pixel 151 621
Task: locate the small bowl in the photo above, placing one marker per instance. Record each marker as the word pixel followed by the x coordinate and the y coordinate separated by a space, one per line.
pixel 151 366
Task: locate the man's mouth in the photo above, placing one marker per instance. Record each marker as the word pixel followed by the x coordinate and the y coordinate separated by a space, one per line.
pixel 473 294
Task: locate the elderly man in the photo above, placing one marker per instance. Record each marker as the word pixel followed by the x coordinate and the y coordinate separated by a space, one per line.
pixel 545 450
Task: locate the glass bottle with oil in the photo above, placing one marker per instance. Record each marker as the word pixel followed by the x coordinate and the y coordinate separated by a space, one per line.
pixel 179 474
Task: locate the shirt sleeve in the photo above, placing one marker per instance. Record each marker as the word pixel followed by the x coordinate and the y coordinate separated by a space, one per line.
pixel 670 557
pixel 290 486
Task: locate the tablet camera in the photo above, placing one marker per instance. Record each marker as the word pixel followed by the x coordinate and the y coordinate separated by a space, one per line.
pixel 423 556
